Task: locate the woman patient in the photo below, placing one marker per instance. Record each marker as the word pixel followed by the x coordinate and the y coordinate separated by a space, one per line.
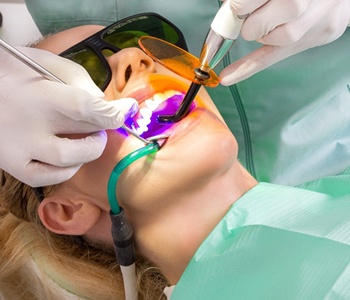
pixel 197 164
pixel 174 200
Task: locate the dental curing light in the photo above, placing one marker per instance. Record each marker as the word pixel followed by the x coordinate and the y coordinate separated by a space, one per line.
pixel 224 30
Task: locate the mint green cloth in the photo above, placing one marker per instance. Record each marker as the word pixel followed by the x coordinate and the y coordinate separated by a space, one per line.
pixel 291 121
pixel 274 243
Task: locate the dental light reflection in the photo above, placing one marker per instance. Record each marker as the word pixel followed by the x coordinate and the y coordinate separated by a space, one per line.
pixel 145 121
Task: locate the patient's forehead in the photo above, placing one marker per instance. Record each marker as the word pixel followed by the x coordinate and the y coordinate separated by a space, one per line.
pixel 61 41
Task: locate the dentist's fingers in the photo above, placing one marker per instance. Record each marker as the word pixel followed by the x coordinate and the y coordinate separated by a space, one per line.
pixel 53 174
pixel 244 7
pixel 322 23
pixel 252 63
pixel 266 18
pixel 312 23
pixel 69 152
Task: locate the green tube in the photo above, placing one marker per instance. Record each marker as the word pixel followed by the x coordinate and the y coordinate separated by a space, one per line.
pixel 120 167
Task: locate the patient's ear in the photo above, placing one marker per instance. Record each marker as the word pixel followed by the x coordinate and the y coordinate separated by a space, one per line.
pixel 68 216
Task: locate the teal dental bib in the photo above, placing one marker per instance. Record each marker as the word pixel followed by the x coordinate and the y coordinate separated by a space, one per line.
pixel 274 243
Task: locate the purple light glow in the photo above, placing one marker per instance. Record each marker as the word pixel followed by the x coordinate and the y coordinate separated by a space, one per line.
pixel 168 107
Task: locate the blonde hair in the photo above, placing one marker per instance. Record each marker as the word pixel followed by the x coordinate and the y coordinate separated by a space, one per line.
pixel 34 262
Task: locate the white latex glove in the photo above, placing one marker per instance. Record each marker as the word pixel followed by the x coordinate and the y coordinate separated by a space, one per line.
pixel 34 110
pixel 285 27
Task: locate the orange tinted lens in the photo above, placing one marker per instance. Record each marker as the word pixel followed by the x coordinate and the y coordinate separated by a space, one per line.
pixel 176 59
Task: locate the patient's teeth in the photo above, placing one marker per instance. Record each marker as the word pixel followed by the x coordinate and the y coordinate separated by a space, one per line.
pixel 171 93
pixel 143 122
pixel 152 105
pixel 140 125
pixel 146 113
pixel 140 131
pixel 159 98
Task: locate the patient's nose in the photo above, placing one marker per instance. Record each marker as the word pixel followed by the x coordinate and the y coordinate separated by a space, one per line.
pixel 129 63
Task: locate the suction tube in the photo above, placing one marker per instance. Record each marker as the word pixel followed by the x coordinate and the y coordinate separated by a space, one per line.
pixel 121 229
pixel 120 167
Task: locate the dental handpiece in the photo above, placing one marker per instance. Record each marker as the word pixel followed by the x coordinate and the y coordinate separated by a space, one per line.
pixel 224 30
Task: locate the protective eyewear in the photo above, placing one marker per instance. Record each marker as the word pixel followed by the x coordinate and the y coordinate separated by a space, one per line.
pixel 91 53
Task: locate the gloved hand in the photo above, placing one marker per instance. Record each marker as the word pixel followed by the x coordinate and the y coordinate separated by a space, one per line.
pixel 285 27
pixel 34 111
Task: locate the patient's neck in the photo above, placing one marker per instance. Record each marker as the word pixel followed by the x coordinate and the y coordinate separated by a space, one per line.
pixel 177 228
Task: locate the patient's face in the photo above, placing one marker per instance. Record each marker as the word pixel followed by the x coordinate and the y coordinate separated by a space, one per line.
pixel 200 146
